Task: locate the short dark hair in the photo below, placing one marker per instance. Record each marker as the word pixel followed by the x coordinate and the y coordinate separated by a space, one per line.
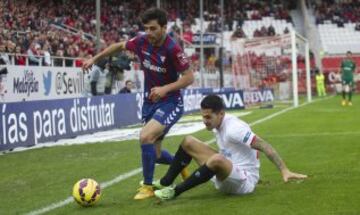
pixel 213 102
pixel 127 81
pixel 348 52
pixel 154 14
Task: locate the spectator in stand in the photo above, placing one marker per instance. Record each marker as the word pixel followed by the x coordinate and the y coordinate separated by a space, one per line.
pixel 69 54
pixel 4 59
pixel 263 31
pixel 47 56
pixel 338 12
pixel 59 61
pixel 357 27
pixel 187 35
pixel 175 34
pixel 229 22
pixel 19 59
pixel 238 33
pixel 271 31
pixel 127 88
pixel 80 60
pixel 286 30
pixel 33 54
pixel 257 33
pixel 4 56
pixel 28 18
pixel 211 63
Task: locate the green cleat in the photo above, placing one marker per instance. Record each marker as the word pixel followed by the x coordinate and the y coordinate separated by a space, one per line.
pixel 167 193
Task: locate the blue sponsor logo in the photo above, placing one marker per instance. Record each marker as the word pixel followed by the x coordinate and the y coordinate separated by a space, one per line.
pixel 47 83
pixel 207 38
pixel 26 84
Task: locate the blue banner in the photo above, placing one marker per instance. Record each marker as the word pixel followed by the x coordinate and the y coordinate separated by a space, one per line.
pixel 32 122
pixel 29 123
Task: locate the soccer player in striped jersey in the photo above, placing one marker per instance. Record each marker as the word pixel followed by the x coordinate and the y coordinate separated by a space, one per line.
pixel 234 169
pixel 162 61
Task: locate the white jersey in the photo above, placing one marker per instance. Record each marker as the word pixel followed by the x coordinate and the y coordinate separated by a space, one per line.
pixel 234 138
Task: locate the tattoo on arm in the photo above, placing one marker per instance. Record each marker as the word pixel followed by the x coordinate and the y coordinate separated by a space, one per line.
pixel 270 152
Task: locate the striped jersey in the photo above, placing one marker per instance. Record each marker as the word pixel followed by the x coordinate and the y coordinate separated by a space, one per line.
pixel 161 65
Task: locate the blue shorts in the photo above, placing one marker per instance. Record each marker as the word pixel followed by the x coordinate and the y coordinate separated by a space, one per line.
pixel 166 113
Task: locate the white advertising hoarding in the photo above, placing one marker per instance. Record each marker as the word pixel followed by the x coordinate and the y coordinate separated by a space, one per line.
pixel 41 83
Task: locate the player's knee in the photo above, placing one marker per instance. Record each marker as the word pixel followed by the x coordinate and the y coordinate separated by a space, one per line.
pixel 147 138
pixel 217 161
pixel 187 142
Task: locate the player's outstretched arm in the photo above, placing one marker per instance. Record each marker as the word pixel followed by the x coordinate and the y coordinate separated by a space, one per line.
pixel 274 157
pixel 112 49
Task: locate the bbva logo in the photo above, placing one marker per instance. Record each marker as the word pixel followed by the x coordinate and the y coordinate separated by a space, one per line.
pixel 233 100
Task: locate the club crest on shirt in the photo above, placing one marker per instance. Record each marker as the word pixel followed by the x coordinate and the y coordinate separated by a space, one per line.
pixel 162 59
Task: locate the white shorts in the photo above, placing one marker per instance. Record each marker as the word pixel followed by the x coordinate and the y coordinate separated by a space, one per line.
pixel 240 181
pixel 346 88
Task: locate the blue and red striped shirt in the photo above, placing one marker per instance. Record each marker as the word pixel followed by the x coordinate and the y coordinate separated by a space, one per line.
pixel 161 65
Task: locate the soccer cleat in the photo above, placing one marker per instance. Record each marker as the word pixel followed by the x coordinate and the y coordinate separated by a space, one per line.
pixel 157 185
pixel 185 173
pixel 165 194
pixel 343 103
pixel 350 103
pixel 144 192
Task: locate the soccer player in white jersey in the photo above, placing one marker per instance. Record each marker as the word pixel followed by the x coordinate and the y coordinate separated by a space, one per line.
pixel 234 169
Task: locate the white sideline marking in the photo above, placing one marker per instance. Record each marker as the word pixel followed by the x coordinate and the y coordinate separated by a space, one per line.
pixel 270 117
pixel 316 134
pixel 136 171
pixel 191 118
pixel 111 136
pixel 70 199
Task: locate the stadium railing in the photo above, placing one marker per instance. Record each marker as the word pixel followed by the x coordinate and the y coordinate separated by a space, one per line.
pixel 41 60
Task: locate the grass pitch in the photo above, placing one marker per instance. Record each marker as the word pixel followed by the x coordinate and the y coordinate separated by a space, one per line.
pixel 320 139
